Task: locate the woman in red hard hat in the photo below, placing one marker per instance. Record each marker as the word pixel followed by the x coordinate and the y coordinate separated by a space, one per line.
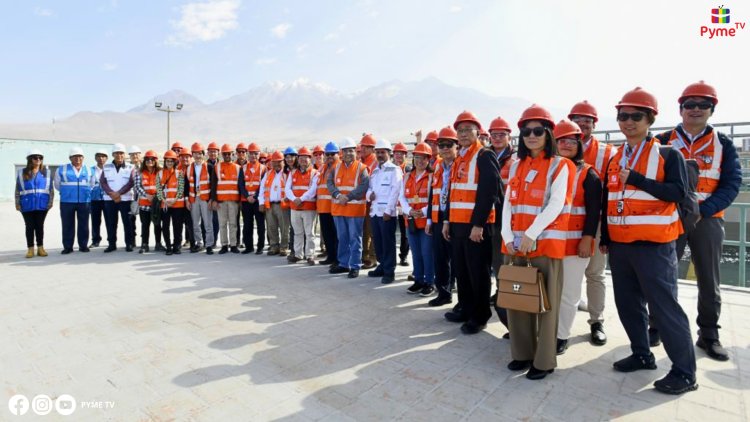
pixel 170 189
pixel 145 186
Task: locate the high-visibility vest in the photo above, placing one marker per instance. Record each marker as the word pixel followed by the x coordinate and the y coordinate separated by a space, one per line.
pixel 529 198
pixel 371 162
pixel 416 192
pixel 270 176
pixel 633 214
pixel 253 174
pixel 97 194
pixel 437 187
pixel 323 203
pixel 346 179
pixel 226 182
pixel 464 183
pixel 169 180
pixel 117 179
pixel 577 212
pixel 598 155
pixel 708 152
pixel 148 181
pixel 74 189
pixel 202 183
pixel 34 193
pixel 505 168
pixel 300 184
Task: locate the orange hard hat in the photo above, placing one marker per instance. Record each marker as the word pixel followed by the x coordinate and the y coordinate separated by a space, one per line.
pixel 277 156
pixel 400 147
pixel 566 128
pixel 699 89
pixel 536 112
pixel 177 144
pixel 170 155
pixel 185 151
pixel 422 149
pixel 499 124
pixel 432 136
pixel 304 151
pixel 448 133
pixel 150 154
pixel 368 140
pixel 196 147
pixel 483 132
pixel 467 116
pixel 263 156
pixel 241 146
pixel 253 147
pixel 318 150
pixel 583 109
pixel 226 148
pixel 639 97
pixel 213 145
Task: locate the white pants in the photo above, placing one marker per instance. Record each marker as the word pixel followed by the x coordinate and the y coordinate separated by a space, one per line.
pixel 302 223
pixel 199 211
pixel 573 269
pixel 228 221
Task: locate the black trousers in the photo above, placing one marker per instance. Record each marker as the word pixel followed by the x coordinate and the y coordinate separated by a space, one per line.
pixel 34 227
pixel 328 233
pixel 97 210
pixel 403 246
pixel 176 216
pixel 111 209
pixel 445 275
pixel 252 216
pixel 70 214
pixel 471 261
pixel 146 224
pixel 187 221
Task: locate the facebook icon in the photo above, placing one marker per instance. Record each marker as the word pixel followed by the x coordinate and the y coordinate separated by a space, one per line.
pixel 18 405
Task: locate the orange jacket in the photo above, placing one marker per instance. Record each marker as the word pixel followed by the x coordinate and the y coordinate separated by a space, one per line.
pixel 464 182
pixel 577 213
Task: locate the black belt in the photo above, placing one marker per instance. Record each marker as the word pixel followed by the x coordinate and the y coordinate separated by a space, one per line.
pixel 277 202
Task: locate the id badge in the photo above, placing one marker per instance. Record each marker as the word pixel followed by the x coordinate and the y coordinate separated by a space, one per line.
pixel 530 176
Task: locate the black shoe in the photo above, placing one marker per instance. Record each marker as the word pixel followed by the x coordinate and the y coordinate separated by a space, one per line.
pixel 177 250
pixel 414 288
pixel 440 301
pixel 129 248
pixel 209 251
pixel 94 245
pixel 259 251
pixel 327 261
pixel 322 255
pixel 410 277
pixel 282 252
pixel 598 338
pixel 455 317
pixel 403 263
pixel 293 259
pixel 142 249
pixel 159 248
pixel 84 249
pixel 537 374
pixel 110 248
pixel 170 251
pixel 519 365
pixel 223 250
pixel 562 346
pixel 196 249
pixel 427 291
pixel 234 249
pixel 506 336
pixel 338 270
pixel 387 279
pixel 472 328
pixel 353 274
pixel 654 339
pixel 248 251
pixel 713 349
pixel 458 308
pixel 377 272
pixel 674 383
pixel 66 251
pixel 635 362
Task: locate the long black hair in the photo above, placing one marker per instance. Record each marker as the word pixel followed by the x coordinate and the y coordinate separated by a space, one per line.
pixel 550 147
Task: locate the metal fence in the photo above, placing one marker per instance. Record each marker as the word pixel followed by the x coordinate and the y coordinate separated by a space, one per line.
pixel 739 242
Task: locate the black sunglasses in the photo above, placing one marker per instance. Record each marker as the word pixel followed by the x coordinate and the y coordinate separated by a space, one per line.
pixel 331 154
pixel 636 117
pixel 445 145
pixel 691 105
pixel 37 157
pixel 537 131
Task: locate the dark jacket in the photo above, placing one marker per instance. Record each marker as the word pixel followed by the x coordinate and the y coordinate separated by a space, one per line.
pixel 487 193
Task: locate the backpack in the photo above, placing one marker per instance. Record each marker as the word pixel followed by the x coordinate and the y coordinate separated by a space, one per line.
pixel 688 207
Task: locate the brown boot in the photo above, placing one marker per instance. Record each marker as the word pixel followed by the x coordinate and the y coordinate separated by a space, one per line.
pixel 40 251
pixel 30 253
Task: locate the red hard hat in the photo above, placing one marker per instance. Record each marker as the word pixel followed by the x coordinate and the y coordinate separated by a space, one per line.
pixel 536 112
pixel 170 155
pixel 432 136
pixel 241 146
pixel 262 156
pixel 185 151
pixel 277 156
pixel 368 140
pixel 226 148
pixel 213 145
pixel 150 154
pixel 583 109
pixel 467 116
pixel 566 128
pixel 177 144
pixel 253 147
pixel 196 147
pixel 448 133
pixel 639 98
pixel 400 147
pixel 304 151
pixel 500 124
pixel 318 150
pixel 422 149
pixel 483 132
pixel 699 89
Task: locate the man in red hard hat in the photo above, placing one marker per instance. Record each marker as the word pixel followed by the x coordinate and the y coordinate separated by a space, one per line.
pixel 369 258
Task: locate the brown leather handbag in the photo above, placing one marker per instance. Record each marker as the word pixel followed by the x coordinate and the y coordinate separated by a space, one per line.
pixel 522 288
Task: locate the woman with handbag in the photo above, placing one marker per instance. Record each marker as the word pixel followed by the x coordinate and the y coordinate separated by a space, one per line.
pixel 582 226
pixel 535 223
pixel 414 198
pixel 145 186
pixel 170 190
pixel 34 197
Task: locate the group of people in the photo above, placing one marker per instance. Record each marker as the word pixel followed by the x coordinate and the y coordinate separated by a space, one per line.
pixel 466 203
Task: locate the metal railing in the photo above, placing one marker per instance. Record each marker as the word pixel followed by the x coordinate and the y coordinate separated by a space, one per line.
pixel 737 130
pixel 741 242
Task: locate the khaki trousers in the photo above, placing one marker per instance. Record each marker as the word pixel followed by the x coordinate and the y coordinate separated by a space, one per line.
pixel 228 212
pixel 278 227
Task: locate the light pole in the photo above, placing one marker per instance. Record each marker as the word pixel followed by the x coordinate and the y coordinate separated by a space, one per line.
pixel 169 111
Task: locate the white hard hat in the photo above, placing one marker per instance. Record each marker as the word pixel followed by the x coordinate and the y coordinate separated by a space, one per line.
pixel 102 151
pixel 75 151
pixel 383 144
pixel 347 143
pixel 118 148
pixel 134 149
pixel 34 151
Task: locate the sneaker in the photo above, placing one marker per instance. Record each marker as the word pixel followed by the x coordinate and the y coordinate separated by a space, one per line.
pixel 635 362
pixel 562 346
pixel 654 339
pixel 415 288
pixel 142 249
pixel 713 349
pixel 674 383
pixel 272 252
pixel 427 291
pixel 440 301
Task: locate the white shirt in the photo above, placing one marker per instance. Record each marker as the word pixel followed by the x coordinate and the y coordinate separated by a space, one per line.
pixel 276 187
pixel 309 194
pixel 386 182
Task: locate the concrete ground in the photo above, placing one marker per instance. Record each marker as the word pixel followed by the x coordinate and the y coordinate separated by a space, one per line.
pixel 243 338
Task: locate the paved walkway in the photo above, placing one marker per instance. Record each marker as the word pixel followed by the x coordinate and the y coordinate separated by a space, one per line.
pixel 246 337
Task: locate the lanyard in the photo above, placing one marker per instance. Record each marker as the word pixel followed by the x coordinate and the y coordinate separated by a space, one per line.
pixel 625 163
pixel 682 144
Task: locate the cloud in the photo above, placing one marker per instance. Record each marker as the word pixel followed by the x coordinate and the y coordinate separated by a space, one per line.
pixel 331 36
pixel 340 50
pixel 43 12
pixel 265 61
pixel 455 9
pixel 206 21
pixel 109 67
pixel 280 30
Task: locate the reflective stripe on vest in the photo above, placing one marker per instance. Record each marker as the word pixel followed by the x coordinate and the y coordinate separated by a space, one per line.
pixel 577 217
pixel 34 193
pixel 301 182
pixel 323 199
pixel 709 163
pixel 74 189
pixel 202 182
pixel 148 182
pixel 169 189
pixel 253 175
pixel 416 192
pixel 464 184
pixel 227 175
pixel 270 177
pixel 346 180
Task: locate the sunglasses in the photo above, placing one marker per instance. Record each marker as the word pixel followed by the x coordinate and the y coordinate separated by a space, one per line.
pixel 330 154
pixel 569 141
pixel 149 159
pixel 691 105
pixel 636 117
pixel 37 157
pixel 537 131
pixel 445 145
pixel 498 135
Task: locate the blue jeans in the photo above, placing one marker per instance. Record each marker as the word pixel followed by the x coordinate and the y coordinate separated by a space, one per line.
pixel 384 238
pixel 422 257
pixel 349 232
pixel 69 213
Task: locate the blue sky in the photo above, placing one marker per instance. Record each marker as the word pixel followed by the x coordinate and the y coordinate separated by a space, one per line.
pixel 68 56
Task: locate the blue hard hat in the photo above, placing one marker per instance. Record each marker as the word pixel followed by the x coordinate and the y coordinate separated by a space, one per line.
pixel 331 148
pixel 290 151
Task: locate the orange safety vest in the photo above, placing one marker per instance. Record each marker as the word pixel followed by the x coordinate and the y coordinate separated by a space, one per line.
pixel 598 155
pixel 577 212
pixel 708 152
pixel 148 180
pixel 253 175
pixel 505 169
pixel 170 180
pixel 633 214
pixel 464 182
pixel 437 186
pixel 346 179
pixel 529 198
pixel 417 193
pixel 323 204
pixel 371 162
pixel 300 184
pixel 202 181
pixel 270 176
pixel 227 175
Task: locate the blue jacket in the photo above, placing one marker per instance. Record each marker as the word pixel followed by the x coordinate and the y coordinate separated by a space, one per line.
pixel 97 194
pixel 34 194
pixel 74 189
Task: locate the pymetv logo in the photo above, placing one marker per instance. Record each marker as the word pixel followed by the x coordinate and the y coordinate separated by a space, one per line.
pixel 721 18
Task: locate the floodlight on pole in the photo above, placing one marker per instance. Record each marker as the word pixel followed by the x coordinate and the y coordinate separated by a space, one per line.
pixel 169 111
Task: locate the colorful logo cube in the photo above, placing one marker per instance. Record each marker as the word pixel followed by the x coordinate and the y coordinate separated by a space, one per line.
pixel 720 15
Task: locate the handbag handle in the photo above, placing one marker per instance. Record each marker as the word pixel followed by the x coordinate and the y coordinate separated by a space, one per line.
pixel 513 257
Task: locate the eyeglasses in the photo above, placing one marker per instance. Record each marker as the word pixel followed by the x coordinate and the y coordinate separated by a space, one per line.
pixel 582 119
pixel 149 159
pixel 691 105
pixel 445 145
pixel 537 131
pixel 465 130
pixel 330 154
pixel 498 135
pixel 568 141
pixel 37 157
pixel 636 117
